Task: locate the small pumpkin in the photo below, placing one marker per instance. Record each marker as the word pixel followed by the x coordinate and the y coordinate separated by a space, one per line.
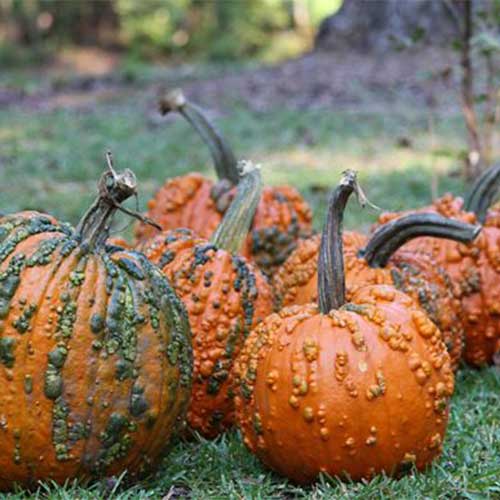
pixel 192 201
pixel 95 355
pixel 225 297
pixel 378 261
pixel 344 388
pixel 473 268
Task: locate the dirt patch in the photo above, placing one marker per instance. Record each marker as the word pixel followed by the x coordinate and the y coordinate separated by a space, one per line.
pixel 337 79
pixel 316 80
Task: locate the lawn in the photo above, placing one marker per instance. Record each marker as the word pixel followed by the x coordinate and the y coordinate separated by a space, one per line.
pixel 51 158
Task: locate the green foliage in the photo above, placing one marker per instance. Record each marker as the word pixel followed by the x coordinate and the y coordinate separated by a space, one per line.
pixel 150 28
pixel 215 30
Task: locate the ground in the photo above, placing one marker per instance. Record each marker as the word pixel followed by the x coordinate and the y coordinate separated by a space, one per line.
pixel 305 121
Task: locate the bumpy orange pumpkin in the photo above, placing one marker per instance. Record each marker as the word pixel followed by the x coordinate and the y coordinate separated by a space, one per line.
pixel 377 261
pixel 473 268
pixel 225 297
pixel 353 388
pixel 474 208
pixel 95 355
pixel 195 202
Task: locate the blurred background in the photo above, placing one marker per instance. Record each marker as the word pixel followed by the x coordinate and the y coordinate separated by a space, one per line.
pixel 405 92
pixel 154 29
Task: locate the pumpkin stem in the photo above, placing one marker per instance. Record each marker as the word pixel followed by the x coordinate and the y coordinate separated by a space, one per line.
pixel 225 162
pixel 114 188
pixel 481 195
pixel 331 277
pixel 389 237
pixel 233 229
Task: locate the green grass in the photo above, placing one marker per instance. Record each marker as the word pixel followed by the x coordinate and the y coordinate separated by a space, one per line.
pixel 51 160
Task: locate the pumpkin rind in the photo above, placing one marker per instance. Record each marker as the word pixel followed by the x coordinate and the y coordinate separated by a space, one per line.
pixel 185 201
pixel 353 391
pixel 225 298
pixel 95 360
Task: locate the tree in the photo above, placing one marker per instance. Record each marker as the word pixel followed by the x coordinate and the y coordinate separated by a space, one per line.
pixel 368 25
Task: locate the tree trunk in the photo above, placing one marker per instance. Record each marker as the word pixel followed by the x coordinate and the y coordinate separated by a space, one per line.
pixel 368 25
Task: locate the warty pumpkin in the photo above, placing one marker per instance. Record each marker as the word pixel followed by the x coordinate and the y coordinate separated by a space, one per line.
pixel 380 260
pixel 192 201
pixel 225 297
pixel 474 268
pixel 475 207
pixel 345 388
pixel 95 355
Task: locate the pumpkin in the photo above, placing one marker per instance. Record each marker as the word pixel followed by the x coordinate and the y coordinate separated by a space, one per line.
pixel 95 355
pixel 344 388
pixel 474 269
pixel 225 297
pixel 195 202
pixel 474 208
pixel 378 261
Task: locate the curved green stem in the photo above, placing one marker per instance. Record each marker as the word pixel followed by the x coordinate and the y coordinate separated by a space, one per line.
pixel 483 191
pixel 234 227
pixel 388 238
pixel 114 188
pixel 331 276
pixel 225 162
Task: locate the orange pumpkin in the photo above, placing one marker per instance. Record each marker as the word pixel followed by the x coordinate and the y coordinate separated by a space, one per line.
pixel 474 208
pixel 377 261
pixel 95 355
pixel 225 297
pixel 344 388
pixel 195 202
pixel 474 269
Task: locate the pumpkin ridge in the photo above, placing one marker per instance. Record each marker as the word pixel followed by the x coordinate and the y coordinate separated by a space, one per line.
pixel 178 347
pixel 112 440
pixel 93 362
pixel 31 364
pixel 94 448
pixel 114 436
pixel 68 289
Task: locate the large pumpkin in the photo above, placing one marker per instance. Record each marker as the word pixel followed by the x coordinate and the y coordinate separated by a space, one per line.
pixel 195 202
pixel 345 388
pixel 378 261
pixel 95 359
pixel 473 268
pixel 225 297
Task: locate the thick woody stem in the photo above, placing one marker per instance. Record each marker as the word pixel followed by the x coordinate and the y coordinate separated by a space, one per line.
pixel 483 192
pixel 234 227
pixel 225 162
pixel 388 238
pixel 331 276
pixel 114 188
